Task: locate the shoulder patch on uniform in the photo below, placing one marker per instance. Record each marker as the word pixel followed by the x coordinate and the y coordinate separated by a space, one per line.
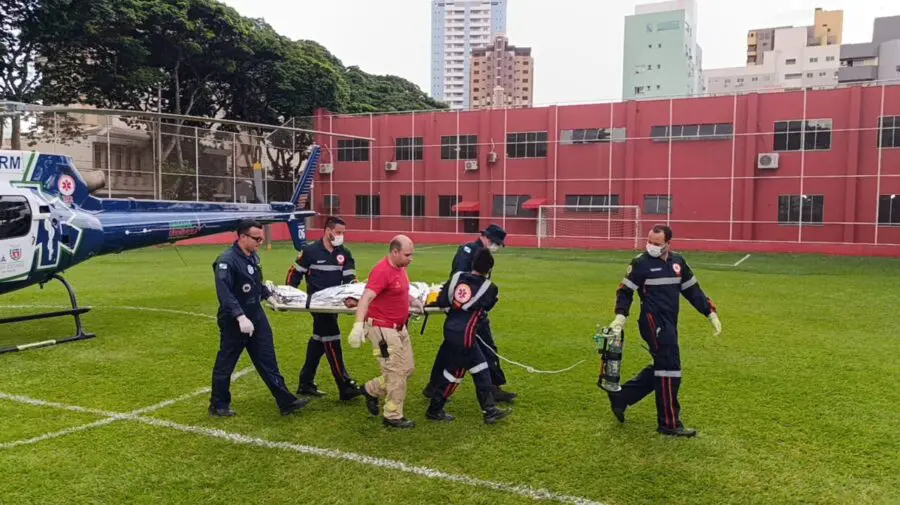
pixel 467 249
pixel 462 293
pixel 628 270
pixel 223 266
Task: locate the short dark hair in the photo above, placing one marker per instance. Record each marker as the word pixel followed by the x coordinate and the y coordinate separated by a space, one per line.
pixel 245 225
pixel 665 230
pixel 396 245
pixel 333 221
pixel 483 261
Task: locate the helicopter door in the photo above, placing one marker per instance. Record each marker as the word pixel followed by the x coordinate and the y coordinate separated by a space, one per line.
pixel 16 237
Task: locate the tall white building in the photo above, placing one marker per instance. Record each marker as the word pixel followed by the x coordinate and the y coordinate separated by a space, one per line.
pixel 457 27
pixel 791 63
pixel 662 57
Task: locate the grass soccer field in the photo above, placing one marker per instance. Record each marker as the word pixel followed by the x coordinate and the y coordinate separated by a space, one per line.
pixel 795 402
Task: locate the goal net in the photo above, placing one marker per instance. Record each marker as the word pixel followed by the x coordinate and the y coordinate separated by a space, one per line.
pixel 614 224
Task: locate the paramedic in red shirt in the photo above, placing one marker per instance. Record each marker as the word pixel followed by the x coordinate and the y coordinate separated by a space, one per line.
pixel 381 318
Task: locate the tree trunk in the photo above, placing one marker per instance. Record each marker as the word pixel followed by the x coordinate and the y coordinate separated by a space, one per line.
pixel 16 140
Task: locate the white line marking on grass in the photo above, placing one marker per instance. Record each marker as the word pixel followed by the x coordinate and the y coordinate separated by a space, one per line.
pixel 387 464
pixel 741 260
pixel 109 416
pixel 119 307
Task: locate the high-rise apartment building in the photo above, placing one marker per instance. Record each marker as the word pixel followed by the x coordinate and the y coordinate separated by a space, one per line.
pixel 826 30
pixel 502 76
pixel 457 27
pixel 878 60
pixel 662 57
pixel 785 58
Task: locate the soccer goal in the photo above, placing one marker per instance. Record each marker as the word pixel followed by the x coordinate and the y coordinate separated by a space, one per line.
pixel 589 223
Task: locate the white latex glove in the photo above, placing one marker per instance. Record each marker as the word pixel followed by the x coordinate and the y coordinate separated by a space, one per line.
pixel 357 335
pixel 417 306
pixel 246 325
pixel 714 320
pixel 618 323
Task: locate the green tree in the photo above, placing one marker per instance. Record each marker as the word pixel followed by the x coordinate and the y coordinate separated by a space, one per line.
pixel 19 79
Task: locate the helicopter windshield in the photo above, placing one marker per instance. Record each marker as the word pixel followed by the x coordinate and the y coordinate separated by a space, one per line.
pixel 15 217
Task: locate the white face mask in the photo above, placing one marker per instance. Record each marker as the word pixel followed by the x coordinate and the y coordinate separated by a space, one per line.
pixel 654 250
pixel 337 240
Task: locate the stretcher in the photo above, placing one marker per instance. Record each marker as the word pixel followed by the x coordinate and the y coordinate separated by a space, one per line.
pixel 331 300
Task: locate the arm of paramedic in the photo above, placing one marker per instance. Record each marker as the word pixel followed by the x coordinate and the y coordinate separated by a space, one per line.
pixel 462 262
pixel 263 289
pixel 349 268
pixel 633 281
pixel 690 289
pixel 298 270
pixel 224 281
pixel 443 299
pixel 490 298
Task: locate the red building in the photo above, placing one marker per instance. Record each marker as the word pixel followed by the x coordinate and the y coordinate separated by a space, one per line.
pixel 794 171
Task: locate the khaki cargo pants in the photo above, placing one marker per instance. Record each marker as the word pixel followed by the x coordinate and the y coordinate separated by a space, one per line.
pixel 395 369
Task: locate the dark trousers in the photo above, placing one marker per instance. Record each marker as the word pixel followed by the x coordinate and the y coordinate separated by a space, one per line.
pixel 662 377
pixel 488 350
pixel 261 349
pixel 326 340
pixel 460 360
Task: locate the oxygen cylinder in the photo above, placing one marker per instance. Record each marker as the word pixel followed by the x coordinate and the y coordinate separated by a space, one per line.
pixel 609 345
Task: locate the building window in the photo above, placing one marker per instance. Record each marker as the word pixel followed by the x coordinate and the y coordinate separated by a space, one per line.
pixel 465 145
pixel 409 149
pixel 592 136
pixel 368 205
pixel 793 136
pixel 526 145
pixel 814 60
pixel 829 58
pixel 790 209
pixel 657 204
pixel 590 203
pixel 353 150
pixel 332 203
pixel 793 76
pixel 511 205
pixel 446 203
pixel 889 209
pixel 412 205
pixel 718 131
pixel 790 61
pixel 889 129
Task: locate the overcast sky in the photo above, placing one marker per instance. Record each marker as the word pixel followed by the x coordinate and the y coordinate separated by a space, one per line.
pixel 576 44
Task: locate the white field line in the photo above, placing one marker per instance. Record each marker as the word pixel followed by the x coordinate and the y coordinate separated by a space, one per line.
pixel 745 258
pixel 107 415
pixel 120 307
pixel 386 464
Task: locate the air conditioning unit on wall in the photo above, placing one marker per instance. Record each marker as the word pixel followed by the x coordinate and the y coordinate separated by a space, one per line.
pixel 471 166
pixel 492 157
pixel 767 161
pixel 326 168
pixel 390 166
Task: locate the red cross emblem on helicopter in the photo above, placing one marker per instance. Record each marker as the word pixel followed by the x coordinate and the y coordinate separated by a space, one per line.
pixel 66 185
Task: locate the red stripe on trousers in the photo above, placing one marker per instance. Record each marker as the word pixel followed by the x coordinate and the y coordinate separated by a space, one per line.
pixel 335 363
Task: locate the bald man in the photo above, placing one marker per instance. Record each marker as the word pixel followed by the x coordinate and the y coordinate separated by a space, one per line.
pixel 381 318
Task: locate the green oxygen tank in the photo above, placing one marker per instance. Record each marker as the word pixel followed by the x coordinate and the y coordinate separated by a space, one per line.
pixel 609 345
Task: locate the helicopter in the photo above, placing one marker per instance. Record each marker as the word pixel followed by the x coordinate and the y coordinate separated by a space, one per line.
pixel 50 222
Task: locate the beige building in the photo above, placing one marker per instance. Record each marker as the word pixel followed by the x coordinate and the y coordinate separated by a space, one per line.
pixel 826 30
pixel 502 76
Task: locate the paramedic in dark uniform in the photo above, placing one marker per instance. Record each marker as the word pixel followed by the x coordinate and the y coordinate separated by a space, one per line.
pixel 325 263
pixel 243 323
pixel 467 296
pixel 491 238
pixel 660 277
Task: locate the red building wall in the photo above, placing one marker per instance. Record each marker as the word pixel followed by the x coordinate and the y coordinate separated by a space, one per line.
pixel 721 200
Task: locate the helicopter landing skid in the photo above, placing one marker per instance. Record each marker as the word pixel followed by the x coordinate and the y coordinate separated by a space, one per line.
pixel 75 312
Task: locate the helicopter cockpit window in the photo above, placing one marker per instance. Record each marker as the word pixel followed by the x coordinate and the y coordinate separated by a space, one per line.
pixel 15 217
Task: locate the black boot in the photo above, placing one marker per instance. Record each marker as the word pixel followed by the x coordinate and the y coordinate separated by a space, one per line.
pixel 489 407
pixel 503 396
pixel 221 411
pixel 310 390
pixel 398 423
pixel 371 401
pixel 617 406
pixel 435 410
pixel 350 390
pixel 680 431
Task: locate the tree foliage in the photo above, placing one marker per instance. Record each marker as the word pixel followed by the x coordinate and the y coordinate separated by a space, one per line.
pixel 186 57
